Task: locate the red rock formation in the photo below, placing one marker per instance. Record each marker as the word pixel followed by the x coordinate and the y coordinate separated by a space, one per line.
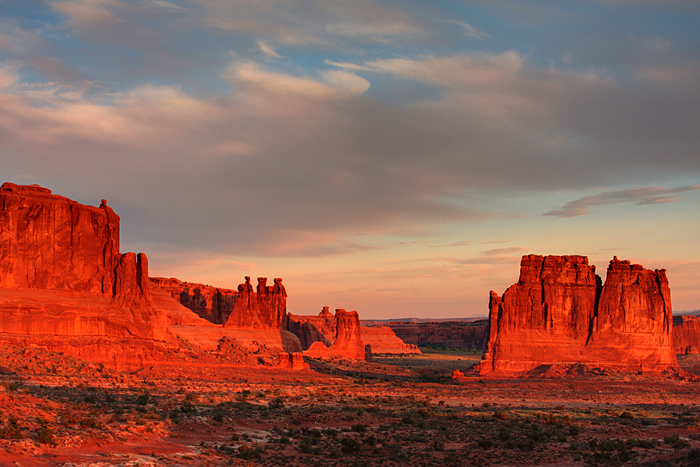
pixel 558 314
pixel 686 335
pixel 348 338
pixel 465 335
pixel 211 303
pixel 384 341
pixel 265 308
pixel 310 329
pixel 292 361
pixel 61 272
pixel 51 242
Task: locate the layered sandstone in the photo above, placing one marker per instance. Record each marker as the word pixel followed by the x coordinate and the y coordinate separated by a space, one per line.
pixel 211 303
pixel 262 308
pixel 61 272
pixel 310 329
pixel 686 335
pixel 558 313
pixel 384 341
pixel 347 341
pixel 469 335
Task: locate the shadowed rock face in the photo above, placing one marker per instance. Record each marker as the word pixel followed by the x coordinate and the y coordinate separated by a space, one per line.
pixel 451 334
pixel 51 242
pixel 310 329
pixel 686 335
pixel 558 313
pixel 211 303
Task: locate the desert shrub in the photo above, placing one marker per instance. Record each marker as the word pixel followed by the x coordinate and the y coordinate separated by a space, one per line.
pixel 90 399
pixel 46 436
pixel 218 417
pixel 370 441
pixel 694 456
pixel 11 431
pixel 248 453
pixel 330 432
pixel 626 415
pixel 276 403
pixel 641 443
pixel 284 440
pixel 486 443
pixel 675 441
pixel 143 399
pixel 407 420
pixel 187 407
pixel 498 415
pixel 359 428
pixel 90 422
pixel 174 416
pixel 349 446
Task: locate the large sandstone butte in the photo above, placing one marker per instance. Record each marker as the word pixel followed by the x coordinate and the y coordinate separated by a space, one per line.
pixel 559 313
pixel 61 271
pixel 65 286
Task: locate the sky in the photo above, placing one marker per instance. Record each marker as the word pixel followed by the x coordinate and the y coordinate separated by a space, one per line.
pixel 397 158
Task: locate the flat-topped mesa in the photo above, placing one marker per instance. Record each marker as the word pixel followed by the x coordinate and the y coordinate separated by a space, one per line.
pixel 51 242
pixel 211 303
pixel 67 254
pixel 264 308
pixel 558 313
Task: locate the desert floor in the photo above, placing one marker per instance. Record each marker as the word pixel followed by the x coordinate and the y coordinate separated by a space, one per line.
pixel 398 410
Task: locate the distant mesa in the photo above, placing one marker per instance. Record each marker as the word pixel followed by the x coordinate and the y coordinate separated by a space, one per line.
pixel 559 313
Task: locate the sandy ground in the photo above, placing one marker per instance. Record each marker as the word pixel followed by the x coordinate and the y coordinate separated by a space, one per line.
pixel 393 411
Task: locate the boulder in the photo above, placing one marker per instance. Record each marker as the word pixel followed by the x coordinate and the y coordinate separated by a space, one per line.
pixel 559 314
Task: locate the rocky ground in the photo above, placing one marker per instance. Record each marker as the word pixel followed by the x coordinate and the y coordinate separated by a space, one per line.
pixel 57 411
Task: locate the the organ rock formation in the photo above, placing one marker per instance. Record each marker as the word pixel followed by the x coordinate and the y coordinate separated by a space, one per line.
pixel 559 313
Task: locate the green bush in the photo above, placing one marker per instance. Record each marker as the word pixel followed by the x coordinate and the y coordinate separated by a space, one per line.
pixel 45 436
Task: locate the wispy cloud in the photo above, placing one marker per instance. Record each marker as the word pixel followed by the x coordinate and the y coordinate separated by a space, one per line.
pixel 639 196
pixel 468 30
pixel 462 243
pixel 503 251
pixel 267 50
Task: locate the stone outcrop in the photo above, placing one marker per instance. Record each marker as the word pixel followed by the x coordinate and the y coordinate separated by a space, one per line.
pixel 384 341
pixel 347 341
pixel 61 272
pixel 211 303
pixel 558 313
pixel 686 335
pixel 310 329
pixel 464 335
pixel 262 308
pixel 51 242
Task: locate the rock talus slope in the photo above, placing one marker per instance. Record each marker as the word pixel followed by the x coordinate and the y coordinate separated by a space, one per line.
pixel 559 313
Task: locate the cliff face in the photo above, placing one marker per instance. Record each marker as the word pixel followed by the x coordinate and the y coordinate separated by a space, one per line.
pixel 558 313
pixel 211 303
pixel 686 335
pixel 61 272
pixel 310 329
pixel 348 337
pixel 264 308
pixel 51 242
pixel 383 340
pixel 451 334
